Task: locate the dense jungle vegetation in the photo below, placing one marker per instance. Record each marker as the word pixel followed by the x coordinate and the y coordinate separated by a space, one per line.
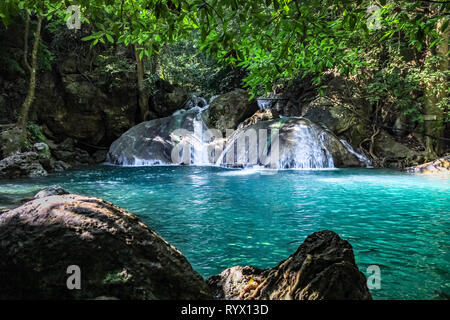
pixel 393 55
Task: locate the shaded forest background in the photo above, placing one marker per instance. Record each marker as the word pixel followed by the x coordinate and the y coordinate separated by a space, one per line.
pixel 384 88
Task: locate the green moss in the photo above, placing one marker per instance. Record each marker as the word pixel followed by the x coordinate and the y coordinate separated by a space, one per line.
pixel 116 277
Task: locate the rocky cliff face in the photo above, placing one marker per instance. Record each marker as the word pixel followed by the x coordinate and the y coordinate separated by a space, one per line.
pixel 78 94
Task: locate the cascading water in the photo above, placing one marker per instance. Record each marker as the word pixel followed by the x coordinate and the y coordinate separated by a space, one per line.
pixel 360 156
pixel 283 143
pixel 294 143
pixel 199 145
pixel 264 103
pixel 310 150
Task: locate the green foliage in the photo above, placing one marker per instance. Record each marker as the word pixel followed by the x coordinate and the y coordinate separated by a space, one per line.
pixel 183 64
pixel 118 277
pixel 34 133
pixel 46 57
pixel 281 39
pixel 114 69
pixel 272 40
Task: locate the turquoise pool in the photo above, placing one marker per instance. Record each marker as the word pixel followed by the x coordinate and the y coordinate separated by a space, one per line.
pixel 220 217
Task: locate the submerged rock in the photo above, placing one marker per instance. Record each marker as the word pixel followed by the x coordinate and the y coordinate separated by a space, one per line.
pixel 323 267
pixel 118 255
pixel 441 165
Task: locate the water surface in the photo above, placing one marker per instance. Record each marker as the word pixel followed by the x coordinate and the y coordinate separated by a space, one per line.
pixel 220 218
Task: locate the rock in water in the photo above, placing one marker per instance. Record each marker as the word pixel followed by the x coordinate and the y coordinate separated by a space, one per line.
pixel 118 255
pixel 26 164
pixel 151 142
pixel 323 267
pixel 50 191
pixel 441 165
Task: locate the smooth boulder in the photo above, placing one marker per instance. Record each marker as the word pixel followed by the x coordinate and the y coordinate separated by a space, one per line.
pixel 152 142
pixel 118 255
pixel 322 268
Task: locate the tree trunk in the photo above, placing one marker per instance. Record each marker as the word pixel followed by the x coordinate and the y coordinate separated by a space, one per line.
pixel 434 121
pixel 24 111
pixel 25 43
pixel 143 97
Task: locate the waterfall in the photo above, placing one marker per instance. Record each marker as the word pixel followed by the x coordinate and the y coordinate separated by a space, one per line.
pixel 360 156
pixel 264 103
pixel 299 143
pixel 310 150
pixel 199 148
pixel 282 143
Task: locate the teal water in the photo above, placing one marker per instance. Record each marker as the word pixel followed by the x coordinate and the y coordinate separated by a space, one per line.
pixel 220 218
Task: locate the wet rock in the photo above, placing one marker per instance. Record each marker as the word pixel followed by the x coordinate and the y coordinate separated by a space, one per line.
pixel 228 110
pixel 152 142
pixel 99 156
pixel 68 153
pixel 301 144
pixel 260 115
pixel 322 268
pixel 50 191
pixel 26 164
pixel 118 255
pixel 58 165
pixel 438 166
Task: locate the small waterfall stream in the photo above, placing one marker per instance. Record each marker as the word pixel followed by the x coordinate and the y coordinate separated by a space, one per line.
pixel 199 148
pixel 310 150
pixel 366 161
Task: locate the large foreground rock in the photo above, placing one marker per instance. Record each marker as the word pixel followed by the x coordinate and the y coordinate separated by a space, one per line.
pixel 118 255
pixel 228 110
pixel 323 267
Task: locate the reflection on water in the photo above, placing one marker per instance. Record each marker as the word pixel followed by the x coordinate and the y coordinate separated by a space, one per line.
pixel 219 218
